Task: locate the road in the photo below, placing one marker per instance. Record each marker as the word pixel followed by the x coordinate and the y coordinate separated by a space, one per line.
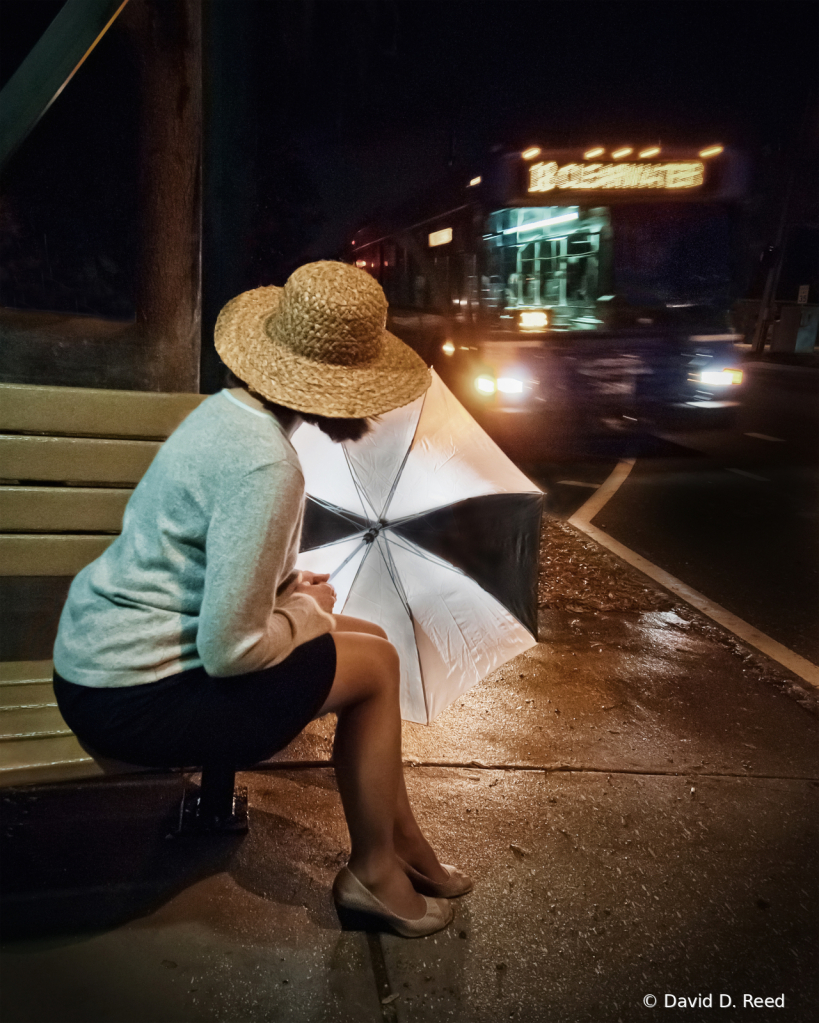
pixel 732 513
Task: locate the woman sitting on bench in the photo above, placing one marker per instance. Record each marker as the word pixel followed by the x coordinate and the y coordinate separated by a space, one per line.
pixel 193 638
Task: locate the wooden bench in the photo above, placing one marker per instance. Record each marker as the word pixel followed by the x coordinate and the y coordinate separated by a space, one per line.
pixel 69 459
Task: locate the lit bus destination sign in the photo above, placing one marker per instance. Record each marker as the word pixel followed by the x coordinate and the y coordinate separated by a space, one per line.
pixel 545 177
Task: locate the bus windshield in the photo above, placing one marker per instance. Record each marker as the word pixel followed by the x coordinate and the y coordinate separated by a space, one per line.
pixel 547 257
pixel 570 261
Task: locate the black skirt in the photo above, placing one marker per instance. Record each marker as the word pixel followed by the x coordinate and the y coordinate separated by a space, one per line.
pixel 189 719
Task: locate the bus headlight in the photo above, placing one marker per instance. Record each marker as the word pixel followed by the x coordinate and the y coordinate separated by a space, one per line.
pixel 721 377
pixel 485 384
pixel 510 385
pixel 533 320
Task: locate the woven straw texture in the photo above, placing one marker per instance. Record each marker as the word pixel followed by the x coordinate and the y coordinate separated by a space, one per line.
pixel 319 344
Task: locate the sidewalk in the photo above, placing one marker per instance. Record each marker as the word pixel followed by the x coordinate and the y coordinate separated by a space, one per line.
pixel 635 798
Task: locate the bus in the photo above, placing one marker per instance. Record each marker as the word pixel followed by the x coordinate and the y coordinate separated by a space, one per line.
pixel 586 291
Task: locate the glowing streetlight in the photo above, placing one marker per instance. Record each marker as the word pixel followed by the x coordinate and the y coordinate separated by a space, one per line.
pixel 530 154
pixel 711 151
pixel 618 154
pixel 590 154
pixel 644 154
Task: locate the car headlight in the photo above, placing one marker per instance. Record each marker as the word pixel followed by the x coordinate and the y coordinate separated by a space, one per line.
pixel 721 377
pixel 485 384
pixel 533 320
pixel 510 385
pixel 448 348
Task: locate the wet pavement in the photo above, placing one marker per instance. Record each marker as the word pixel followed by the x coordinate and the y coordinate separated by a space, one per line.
pixel 635 798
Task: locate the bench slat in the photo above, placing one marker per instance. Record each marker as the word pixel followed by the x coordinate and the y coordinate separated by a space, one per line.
pixel 26 694
pixel 58 758
pixel 62 509
pixel 88 411
pixel 27 722
pixel 75 459
pixel 26 671
pixel 49 554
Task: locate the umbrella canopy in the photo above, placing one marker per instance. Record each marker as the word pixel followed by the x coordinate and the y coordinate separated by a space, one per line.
pixel 428 530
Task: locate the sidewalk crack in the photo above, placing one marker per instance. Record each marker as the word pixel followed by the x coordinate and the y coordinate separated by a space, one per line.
pixel 386 998
pixel 588 769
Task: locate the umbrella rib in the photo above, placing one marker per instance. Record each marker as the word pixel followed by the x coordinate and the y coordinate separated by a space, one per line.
pixel 346 561
pixel 467 645
pixel 421 553
pixel 457 504
pixel 335 543
pixel 341 512
pixel 391 494
pixel 357 572
pixel 362 494
pixel 420 670
pixel 454 620
pixel 442 563
pixel 415 515
pixel 392 571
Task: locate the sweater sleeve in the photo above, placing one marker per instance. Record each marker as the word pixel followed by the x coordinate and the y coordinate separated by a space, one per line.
pixel 250 550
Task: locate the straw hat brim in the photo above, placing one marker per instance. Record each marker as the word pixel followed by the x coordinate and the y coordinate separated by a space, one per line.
pixel 394 378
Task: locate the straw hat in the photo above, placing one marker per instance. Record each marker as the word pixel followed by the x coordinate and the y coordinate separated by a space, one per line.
pixel 319 344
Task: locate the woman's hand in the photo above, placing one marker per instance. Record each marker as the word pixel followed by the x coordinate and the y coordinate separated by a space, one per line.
pixel 316 586
pixel 306 576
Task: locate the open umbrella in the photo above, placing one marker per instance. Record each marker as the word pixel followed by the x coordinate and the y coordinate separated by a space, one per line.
pixel 430 531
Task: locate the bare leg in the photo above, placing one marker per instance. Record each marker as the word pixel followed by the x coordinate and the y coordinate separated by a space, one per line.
pixel 408 839
pixel 346 623
pixel 367 755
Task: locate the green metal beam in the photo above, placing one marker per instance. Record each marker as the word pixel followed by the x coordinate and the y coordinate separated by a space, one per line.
pixel 50 66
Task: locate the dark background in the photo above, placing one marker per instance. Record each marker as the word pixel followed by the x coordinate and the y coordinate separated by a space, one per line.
pixel 324 111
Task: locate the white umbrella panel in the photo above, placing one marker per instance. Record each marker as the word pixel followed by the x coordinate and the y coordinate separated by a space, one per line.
pixel 430 531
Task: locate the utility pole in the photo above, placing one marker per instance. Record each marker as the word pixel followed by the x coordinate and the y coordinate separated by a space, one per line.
pixel 766 306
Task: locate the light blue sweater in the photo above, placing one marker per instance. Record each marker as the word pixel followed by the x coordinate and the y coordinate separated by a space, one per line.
pixel 203 572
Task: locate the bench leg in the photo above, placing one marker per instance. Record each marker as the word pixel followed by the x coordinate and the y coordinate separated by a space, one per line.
pixel 216 791
pixel 218 807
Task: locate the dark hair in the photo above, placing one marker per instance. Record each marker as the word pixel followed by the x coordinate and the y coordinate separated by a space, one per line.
pixel 336 428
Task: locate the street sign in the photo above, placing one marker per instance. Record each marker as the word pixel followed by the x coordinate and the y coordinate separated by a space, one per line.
pixel 803 294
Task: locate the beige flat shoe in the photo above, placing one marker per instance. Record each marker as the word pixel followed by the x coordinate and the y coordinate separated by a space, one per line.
pixel 359 910
pixel 456 884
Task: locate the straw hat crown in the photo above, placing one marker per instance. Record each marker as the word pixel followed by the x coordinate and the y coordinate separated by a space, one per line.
pixel 319 344
pixel 331 312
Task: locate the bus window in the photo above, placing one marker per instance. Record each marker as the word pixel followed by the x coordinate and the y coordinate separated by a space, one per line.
pixel 546 256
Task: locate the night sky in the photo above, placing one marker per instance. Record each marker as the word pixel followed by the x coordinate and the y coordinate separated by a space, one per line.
pixel 349 105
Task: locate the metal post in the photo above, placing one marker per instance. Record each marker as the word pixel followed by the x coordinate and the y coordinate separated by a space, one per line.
pixel 50 66
pixel 216 792
pixel 217 807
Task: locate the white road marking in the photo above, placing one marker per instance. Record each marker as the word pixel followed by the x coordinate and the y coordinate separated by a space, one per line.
pixel 577 483
pixel 800 666
pixel 605 491
pixel 765 436
pixel 749 475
